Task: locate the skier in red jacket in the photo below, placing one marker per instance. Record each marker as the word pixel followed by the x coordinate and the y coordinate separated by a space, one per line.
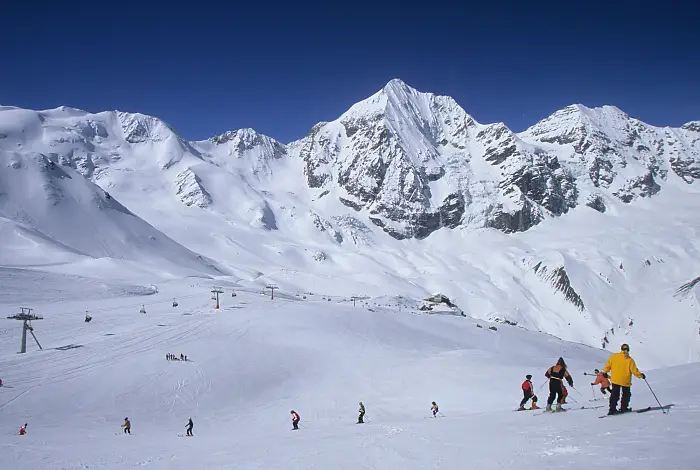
pixel 528 392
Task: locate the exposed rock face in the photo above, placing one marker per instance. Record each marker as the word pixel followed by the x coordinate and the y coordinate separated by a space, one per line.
pixel 595 201
pixel 560 281
pixel 416 162
pixel 610 150
pixel 190 189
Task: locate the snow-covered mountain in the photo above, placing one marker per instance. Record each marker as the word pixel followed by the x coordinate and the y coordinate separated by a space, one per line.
pixel 613 154
pixel 417 162
pixel 582 226
pixel 50 213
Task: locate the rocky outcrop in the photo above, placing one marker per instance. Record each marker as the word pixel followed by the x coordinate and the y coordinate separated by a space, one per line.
pixel 559 279
pixel 596 201
pixel 190 189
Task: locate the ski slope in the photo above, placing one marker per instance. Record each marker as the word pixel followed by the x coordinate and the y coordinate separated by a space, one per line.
pixel 255 359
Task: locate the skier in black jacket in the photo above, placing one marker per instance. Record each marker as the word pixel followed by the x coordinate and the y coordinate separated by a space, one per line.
pixel 556 374
pixel 190 425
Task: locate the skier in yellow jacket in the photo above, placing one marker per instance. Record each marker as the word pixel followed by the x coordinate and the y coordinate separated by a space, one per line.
pixel 622 367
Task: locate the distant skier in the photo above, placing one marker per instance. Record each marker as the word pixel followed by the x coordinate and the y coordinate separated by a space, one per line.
pixel 434 408
pixel 602 380
pixel 556 375
pixel 0 382
pixel 127 425
pixel 622 367
pixel 182 357
pixel 528 392
pixel 23 430
pixel 295 419
pixel 362 414
pixel 190 425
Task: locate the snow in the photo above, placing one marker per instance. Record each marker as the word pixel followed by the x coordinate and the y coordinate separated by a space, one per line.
pixel 253 360
pixel 112 211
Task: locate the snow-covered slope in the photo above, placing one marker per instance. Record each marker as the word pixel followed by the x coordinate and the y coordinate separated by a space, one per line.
pixel 254 360
pixel 50 213
pixel 406 194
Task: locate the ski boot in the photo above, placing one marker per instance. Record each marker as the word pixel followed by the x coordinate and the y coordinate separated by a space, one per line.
pixel 559 408
pixel 534 407
pixel 549 407
pixel 522 408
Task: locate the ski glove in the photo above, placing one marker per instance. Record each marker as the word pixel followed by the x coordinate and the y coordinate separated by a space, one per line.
pixel 644 377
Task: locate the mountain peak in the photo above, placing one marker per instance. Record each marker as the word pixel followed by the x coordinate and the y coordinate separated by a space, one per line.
pixel 693 126
pixel 397 85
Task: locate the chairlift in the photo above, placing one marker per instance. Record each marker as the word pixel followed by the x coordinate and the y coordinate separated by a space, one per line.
pixel 175 304
pixel 143 309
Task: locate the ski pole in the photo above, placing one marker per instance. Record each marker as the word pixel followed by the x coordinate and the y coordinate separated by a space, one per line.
pixel 593 391
pixel 657 400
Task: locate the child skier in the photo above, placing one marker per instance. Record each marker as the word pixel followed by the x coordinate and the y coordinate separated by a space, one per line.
pixel 434 409
pixel 23 430
pixel 602 380
pixel 528 392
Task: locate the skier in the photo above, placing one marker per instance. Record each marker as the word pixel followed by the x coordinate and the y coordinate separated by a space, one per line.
pixel 190 425
pixel 23 430
pixel 127 425
pixel 362 414
pixel 434 408
pixel 602 380
pixel 622 367
pixel 182 357
pixel 528 392
pixel 295 419
pixel 556 375
pixel 0 382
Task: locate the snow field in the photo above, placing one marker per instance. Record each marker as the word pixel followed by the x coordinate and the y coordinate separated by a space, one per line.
pixel 255 359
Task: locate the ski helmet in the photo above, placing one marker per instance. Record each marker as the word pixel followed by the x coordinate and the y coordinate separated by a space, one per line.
pixel 625 347
pixel 528 376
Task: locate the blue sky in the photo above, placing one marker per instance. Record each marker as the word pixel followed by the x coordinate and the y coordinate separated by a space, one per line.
pixel 207 68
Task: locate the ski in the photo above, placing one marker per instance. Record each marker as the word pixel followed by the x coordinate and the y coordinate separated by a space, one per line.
pixel 569 409
pixel 641 410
